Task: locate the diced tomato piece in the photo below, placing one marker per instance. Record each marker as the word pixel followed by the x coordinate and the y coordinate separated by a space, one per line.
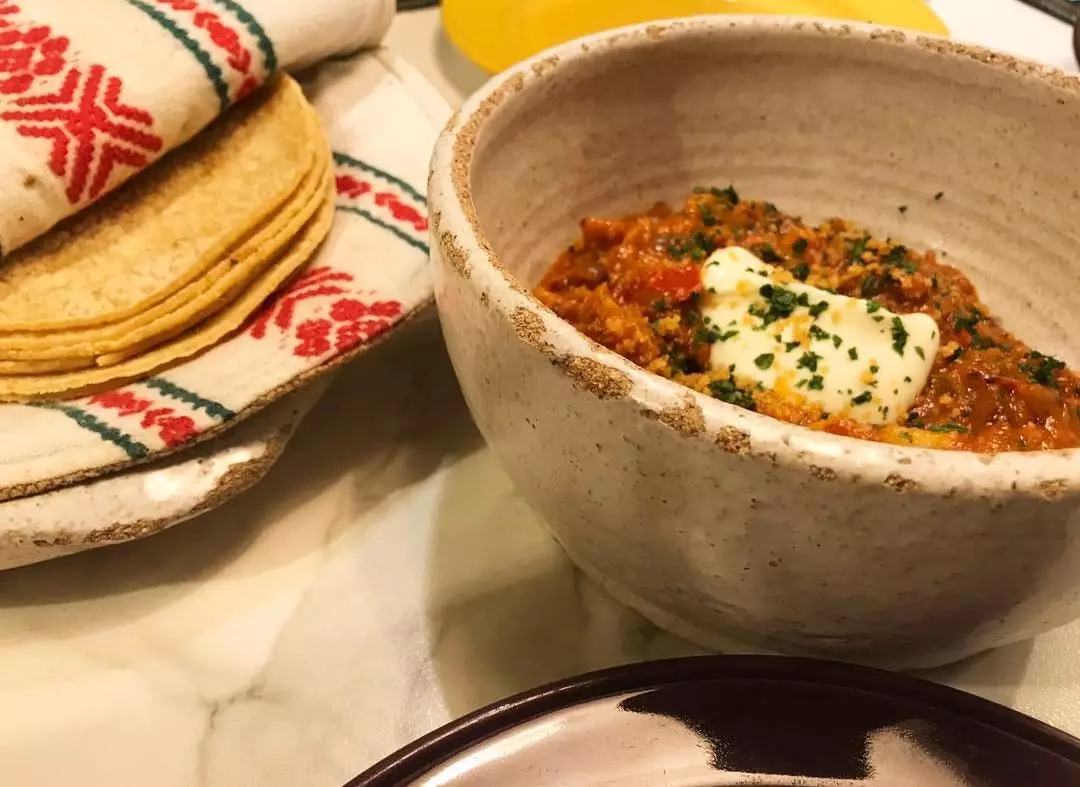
pixel 675 283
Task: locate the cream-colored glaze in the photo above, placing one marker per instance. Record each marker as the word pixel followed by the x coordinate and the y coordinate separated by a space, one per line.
pixel 840 354
pixel 720 523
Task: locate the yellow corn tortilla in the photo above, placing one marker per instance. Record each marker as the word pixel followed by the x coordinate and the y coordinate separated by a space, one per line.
pixel 229 294
pixel 196 340
pixel 169 225
pixel 25 352
pixel 44 367
pixel 184 315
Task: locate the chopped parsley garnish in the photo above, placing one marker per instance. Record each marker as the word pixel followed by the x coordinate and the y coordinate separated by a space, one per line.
pixel 727 391
pixel 801 271
pixel 870 286
pixel 678 361
pixel 818 308
pixel 817 333
pixel 728 194
pixel 862 398
pixel 853 354
pixel 948 426
pixel 801 383
pixel 858 247
pixel 968 321
pixel 660 304
pixel 764 361
pixel 799 246
pixel 919 352
pixel 873 368
pixel 712 335
pixel 817 383
pixel 899 336
pixel 707 217
pixel 768 253
pixel 872 306
pixel 788 347
pixel 680 247
pixel 808 361
pixel 897 257
pixel 781 302
pixel 1041 369
pixel 837 341
pixel 705 243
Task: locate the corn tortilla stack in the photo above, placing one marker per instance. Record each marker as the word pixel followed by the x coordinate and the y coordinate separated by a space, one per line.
pixel 195 340
pixel 174 261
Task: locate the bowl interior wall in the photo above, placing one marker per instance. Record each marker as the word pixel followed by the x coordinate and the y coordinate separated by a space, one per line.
pixel 820 124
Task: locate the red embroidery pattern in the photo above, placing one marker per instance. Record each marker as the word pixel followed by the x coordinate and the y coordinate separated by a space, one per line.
pixel 349 322
pixel 354 188
pixel 171 428
pixel 90 129
pixel 348 186
pixel 28 54
pixel 224 37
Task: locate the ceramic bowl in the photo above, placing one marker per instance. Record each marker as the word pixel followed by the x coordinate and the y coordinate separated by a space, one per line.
pixel 723 525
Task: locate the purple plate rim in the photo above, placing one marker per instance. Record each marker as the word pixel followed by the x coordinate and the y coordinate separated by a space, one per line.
pixel 426 753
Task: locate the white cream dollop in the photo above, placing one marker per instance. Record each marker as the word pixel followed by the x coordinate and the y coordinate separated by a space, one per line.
pixel 849 355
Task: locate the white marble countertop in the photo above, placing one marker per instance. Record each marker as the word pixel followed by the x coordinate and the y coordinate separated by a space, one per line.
pixel 381 581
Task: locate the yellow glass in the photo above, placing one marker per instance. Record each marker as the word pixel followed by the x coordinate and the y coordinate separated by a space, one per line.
pixel 495 34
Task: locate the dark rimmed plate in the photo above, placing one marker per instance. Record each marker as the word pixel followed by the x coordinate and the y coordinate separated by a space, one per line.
pixel 1065 10
pixel 738 720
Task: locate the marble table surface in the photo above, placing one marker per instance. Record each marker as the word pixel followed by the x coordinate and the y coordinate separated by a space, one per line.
pixel 382 580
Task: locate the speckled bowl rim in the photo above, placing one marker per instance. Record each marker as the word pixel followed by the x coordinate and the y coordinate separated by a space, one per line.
pixel 425 754
pixel 466 252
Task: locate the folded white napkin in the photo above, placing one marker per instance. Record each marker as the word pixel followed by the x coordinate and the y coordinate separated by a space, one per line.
pixel 92 91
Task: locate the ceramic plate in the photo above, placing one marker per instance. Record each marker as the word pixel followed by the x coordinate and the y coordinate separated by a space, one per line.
pixel 496 34
pixel 738 720
pixel 371 274
pixel 150 498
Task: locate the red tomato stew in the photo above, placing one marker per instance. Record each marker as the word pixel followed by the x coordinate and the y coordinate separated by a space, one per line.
pixel 634 285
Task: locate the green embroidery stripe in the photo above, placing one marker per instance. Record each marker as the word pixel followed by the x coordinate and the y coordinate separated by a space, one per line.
pixel 133 448
pixel 214 74
pixel 262 40
pixel 190 398
pixel 419 244
pixel 342 158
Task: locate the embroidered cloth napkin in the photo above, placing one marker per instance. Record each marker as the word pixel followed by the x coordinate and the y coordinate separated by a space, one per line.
pixel 92 91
